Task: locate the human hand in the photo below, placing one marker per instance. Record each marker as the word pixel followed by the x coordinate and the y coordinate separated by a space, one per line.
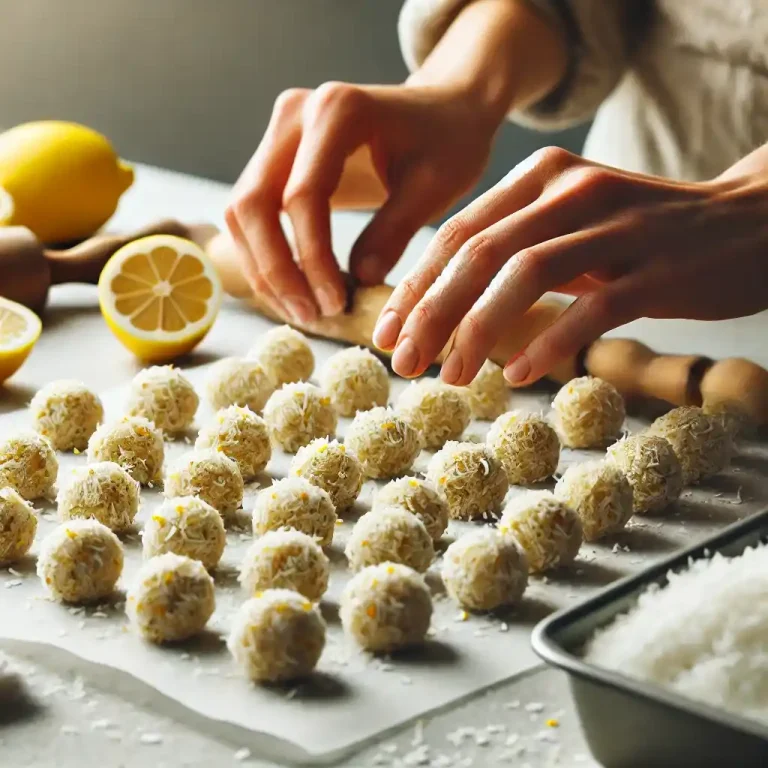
pixel 429 145
pixel 626 245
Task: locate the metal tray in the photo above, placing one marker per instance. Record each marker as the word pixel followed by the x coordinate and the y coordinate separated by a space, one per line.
pixel 631 724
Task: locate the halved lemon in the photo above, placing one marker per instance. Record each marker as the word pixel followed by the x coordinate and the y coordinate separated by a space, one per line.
pixel 6 207
pixel 19 330
pixel 160 296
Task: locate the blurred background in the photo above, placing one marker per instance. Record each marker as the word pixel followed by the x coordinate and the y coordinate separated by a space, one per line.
pixel 189 84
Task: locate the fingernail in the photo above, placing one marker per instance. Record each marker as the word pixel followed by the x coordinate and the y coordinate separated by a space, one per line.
pixel 329 300
pixel 452 367
pixel 518 370
pixel 387 330
pixel 406 358
pixel 302 311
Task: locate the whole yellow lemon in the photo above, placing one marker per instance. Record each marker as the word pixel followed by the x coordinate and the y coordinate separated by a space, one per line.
pixel 63 180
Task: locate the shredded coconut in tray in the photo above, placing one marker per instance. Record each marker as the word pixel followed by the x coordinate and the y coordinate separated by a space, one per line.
pixel 704 634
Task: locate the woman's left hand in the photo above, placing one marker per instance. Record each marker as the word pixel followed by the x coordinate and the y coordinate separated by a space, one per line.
pixel 626 245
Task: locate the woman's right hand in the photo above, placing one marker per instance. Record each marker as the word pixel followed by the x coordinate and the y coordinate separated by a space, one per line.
pixel 429 145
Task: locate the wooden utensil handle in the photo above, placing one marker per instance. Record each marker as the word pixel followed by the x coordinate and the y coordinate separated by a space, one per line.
pixel 83 262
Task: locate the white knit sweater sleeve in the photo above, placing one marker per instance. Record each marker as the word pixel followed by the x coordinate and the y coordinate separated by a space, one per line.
pixel 599 35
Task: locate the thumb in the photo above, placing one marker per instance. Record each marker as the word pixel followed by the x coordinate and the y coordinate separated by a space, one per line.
pixel 411 204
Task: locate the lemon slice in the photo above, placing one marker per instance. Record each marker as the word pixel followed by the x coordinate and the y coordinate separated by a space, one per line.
pixel 19 330
pixel 160 296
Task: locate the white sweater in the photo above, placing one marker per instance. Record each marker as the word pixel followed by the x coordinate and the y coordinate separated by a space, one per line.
pixel 677 88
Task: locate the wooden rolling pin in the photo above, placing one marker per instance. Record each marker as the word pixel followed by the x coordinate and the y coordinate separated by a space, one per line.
pixel 28 270
pixel 634 369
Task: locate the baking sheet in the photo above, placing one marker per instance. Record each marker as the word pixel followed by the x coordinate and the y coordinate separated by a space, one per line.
pixel 353 697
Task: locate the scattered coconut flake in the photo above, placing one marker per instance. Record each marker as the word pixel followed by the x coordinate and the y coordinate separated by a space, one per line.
pixel 69 730
pixel 242 754
pixel 151 738
pixel 101 724
pixel 504 627
pixel 13 583
pixel 534 706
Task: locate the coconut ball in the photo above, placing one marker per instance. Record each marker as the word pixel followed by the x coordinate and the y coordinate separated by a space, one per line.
pixel 164 396
pixel 186 526
pixel 295 503
pixel 548 531
pixel 28 464
pixel 242 436
pixel 18 526
pixel 356 380
pixel 67 413
pixel 699 441
pixel 437 411
pixel 80 561
pixel 103 491
pixel 330 466
pixel 526 445
pixel 239 381
pixel 470 479
pixel 286 559
pixel 386 607
pixel 134 443
pixel 485 570
pixel 391 535
pixel 277 636
pixel 488 393
pixel 297 414
pixel 600 494
pixel 285 353
pixel 419 498
pixel 171 599
pixel 385 443
pixel 589 412
pixel 652 469
pixel 732 416
pixel 210 475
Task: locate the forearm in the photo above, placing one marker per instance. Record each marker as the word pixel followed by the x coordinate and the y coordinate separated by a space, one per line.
pixel 500 53
pixel 754 164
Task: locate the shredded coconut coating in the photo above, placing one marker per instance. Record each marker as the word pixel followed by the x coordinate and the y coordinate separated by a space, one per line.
pixel 653 471
pixel 470 479
pixel 699 441
pixel 80 561
pixel 134 443
pixel 29 465
pixel 277 637
pixel 18 526
pixel 286 559
pixel 330 466
pixel 488 393
pixel 171 598
pixel 386 607
pixel 732 416
pixel 600 494
pixel 103 491
pixel 385 443
pixel 299 413
pixel 295 503
pixel 164 396
pixel 526 445
pixel 437 411
pixel 241 435
pixel 285 353
pixel 356 380
pixel 548 531
pixel 418 497
pixel 210 475
pixel 589 413
pixel 239 381
pixel 186 526
pixel 390 535
pixel 485 570
pixel 67 413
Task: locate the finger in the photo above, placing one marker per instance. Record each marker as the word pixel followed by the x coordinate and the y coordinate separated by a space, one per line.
pixel 258 284
pixel 518 189
pixel 523 280
pixel 333 130
pixel 259 193
pixel 590 316
pixel 412 202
